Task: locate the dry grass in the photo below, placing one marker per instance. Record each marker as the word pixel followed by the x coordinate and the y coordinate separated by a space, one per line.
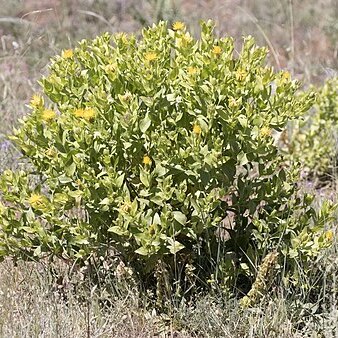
pixel 33 306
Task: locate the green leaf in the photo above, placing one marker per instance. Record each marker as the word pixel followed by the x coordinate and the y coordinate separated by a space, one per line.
pixel 242 159
pixel 60 198
pixel 37 251
pixel 81 240
pixel 174 246
pixel 229 169
pixel 64 179
pixel 180 217
pixel 144 177
pixel 70 170
pixel 118 230
pixel 120 180
pixel 157 199
pixel 142 251
pixel 242 120
pixel 156 218
pixel 171 97
pixel 145 123
pixel 105 201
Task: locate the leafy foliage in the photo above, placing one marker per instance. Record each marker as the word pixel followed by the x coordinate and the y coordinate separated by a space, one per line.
pixel 312 141
pixel 162 151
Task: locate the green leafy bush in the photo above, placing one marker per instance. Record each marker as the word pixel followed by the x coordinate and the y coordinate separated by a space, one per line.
pixel 161 151
pixel 312 141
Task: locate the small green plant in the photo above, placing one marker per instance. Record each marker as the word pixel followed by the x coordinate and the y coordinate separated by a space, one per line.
pixel 161 151
pixel 149 11
pixel 312 141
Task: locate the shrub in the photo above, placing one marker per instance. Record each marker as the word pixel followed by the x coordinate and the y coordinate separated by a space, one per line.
pixel 312 141
pixel 161 150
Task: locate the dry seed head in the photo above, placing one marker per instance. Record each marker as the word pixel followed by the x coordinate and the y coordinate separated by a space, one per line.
pixel 259 287
pixel 127 96
pixel 125 207
pixel 152 229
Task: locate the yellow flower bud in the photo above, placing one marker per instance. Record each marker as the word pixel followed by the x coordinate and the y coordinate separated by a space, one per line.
pixel 329 235
pixel 37 201
pixel 178 26
pixel 146 160
pixel 196 129
pixel 265 132
pixel 192 70
pixel 150 56
pixel 48 115
pixel 36 101
pixel 217 50
pixel 67 53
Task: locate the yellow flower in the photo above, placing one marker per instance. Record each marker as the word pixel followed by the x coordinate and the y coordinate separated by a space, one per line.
pixel 285 77
pixel 217 50
pixel 150 56
pixel 89 113
pixel 197 129
pixel 192 70
pixel 146 160
pixel 36 200
pixel 36 101
pixel 48 115
pixel 67 53
pixel 240 74
pixel 329 235
pixel 178 26
pixel 79 112
pixel 265 132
